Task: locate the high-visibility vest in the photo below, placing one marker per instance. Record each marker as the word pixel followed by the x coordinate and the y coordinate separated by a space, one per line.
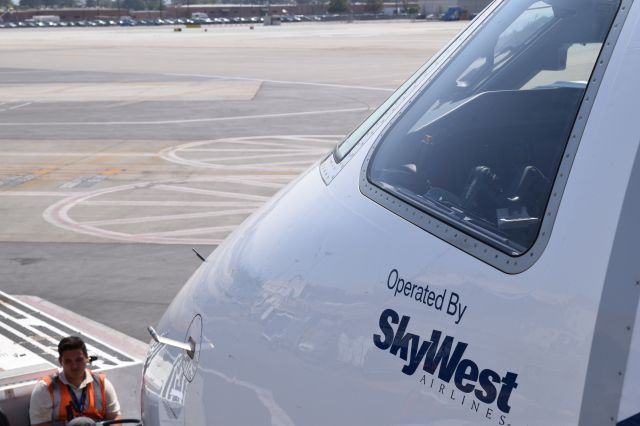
pixel 95 404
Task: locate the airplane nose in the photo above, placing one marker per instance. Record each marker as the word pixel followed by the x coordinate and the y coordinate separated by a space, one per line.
pixel 190 346
pixel 170 368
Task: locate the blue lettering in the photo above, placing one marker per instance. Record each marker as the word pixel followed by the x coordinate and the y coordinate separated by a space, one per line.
pixel 395 280
pixel 508 384
pixel 487 379
pixel 416 357
pixel 461 374
pixel 402 340
pixel 439 354
pixel 441 358
pixel 387 330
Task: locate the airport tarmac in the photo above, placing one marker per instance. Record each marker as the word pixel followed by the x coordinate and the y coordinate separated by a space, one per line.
pixel 123 148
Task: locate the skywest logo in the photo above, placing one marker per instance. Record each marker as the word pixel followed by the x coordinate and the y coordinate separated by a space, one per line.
pixel 438 356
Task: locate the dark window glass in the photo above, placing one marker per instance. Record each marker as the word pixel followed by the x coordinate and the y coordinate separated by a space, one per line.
pixel 479 147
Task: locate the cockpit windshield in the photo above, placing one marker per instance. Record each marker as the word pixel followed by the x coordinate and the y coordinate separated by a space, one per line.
pixel 480 145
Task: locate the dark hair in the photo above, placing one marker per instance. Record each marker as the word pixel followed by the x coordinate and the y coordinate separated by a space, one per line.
pixel 70 343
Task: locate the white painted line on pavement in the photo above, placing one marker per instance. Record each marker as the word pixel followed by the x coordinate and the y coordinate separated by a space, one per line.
pixel 192 231
pixel 36 194
pixel 193 120
pixel 296 83
pixel 192 192
pixel 266 184
pixel 25 72
pixel 19 106
pixel 75 154
pixel 328 139
pixel 260 140
pixel 306 144
pixel 270 150
pixel 214 193
pixel 303 163
pixel 83 182
pixel 164 218
pixel 254 204
pixel 314 154
pixel 58 214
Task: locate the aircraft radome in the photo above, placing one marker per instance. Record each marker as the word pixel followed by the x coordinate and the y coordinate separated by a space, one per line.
pixel 467 256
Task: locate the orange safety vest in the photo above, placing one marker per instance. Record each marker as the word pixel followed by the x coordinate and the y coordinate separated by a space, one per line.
pixel 95 404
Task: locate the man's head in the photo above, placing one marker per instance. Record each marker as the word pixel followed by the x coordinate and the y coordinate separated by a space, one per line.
pixel 73 358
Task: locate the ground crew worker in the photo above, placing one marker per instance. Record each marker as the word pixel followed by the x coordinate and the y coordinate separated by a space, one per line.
pixel 74 391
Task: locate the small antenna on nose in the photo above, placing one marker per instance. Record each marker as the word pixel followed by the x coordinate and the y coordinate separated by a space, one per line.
pixel 199 255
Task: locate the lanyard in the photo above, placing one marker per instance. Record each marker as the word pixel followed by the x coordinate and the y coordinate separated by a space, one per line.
pixel 78 405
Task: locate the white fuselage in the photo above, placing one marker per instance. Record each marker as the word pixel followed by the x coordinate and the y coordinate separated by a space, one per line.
pixel 329 308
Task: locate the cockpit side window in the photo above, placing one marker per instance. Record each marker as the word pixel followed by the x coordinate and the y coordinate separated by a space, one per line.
pixel 480 145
